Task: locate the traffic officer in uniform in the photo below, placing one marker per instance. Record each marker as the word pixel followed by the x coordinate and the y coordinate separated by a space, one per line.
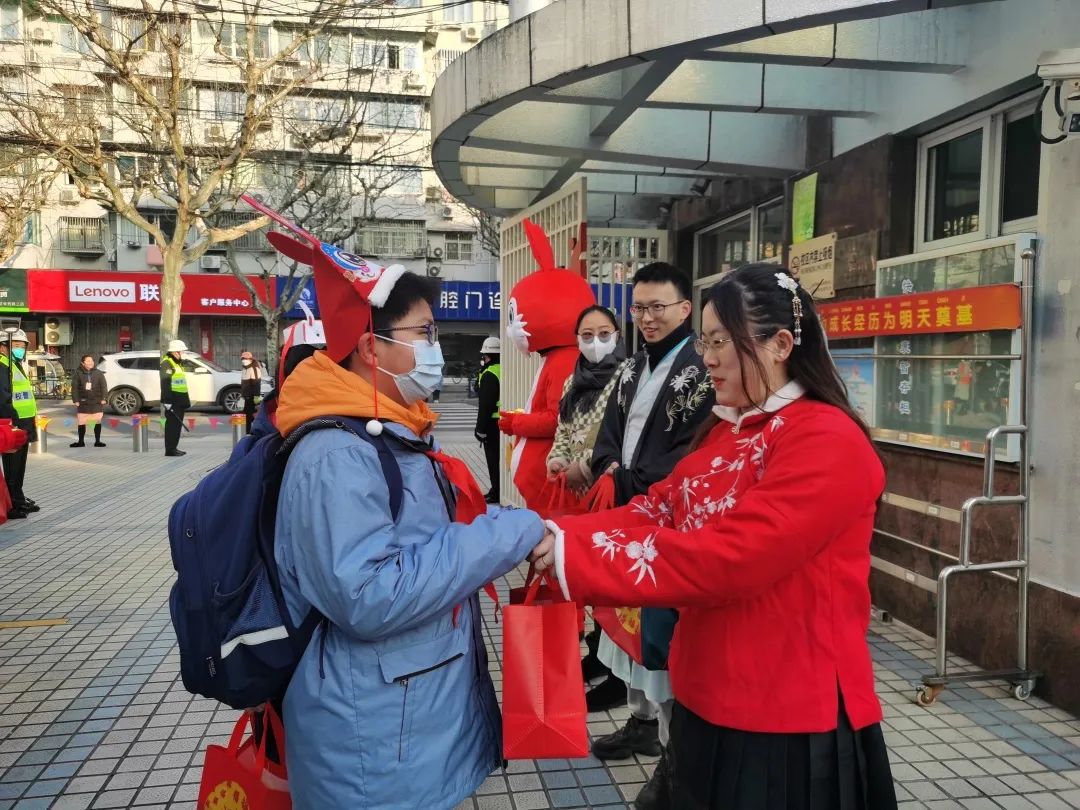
pixel 174 396
pixel 488 382
pixel 18 404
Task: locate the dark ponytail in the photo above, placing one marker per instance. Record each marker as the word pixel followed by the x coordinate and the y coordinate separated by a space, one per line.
pixel 750 301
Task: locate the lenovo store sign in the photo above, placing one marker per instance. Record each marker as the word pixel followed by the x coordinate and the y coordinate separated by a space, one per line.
pixel 122 292
pixel 139 293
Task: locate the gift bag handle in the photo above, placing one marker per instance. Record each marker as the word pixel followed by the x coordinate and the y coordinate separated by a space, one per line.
pixel 534 588
pixel 278 730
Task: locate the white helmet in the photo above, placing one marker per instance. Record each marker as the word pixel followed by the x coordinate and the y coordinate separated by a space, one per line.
pixel 492 345
pixel 177 346
pixel 19 335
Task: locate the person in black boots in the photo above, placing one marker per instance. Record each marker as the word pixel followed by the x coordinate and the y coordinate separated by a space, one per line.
pixel 89 390
pixel 487 415
pixel 174 396
pixel 250 386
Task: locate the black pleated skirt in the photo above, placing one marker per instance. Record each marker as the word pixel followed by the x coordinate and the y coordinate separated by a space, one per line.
pixel 717 768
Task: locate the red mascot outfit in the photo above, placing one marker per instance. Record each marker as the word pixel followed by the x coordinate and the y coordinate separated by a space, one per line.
pixel 543 310
pixel 11 439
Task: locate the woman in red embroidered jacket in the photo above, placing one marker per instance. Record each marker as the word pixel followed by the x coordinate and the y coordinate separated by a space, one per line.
pixel 761 538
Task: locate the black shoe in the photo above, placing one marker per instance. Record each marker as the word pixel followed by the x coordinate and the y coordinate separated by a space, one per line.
pixel 593 668
pixel 656 795
pixel 491 498
pixel 29 501
pixel 175 453
pixel 15 513
pixel 99 444
pixel 636 737
pixel 611 694
pixel 77 444
pixel 28 506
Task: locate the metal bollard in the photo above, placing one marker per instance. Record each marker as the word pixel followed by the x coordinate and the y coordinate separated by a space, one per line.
pixel 136 434
pixel 144 429
pixel 41 446
pixel 239 427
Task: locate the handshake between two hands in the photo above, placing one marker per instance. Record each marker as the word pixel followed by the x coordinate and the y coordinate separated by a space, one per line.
pixel 543 556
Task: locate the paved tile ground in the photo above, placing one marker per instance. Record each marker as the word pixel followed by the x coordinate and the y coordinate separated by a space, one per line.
pixel 93 713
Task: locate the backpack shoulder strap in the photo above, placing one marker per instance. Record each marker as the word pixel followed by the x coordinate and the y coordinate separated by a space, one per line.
pixel 390 469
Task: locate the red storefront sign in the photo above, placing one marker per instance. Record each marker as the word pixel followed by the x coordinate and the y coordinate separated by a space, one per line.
pixel 138 293
pixel 971 309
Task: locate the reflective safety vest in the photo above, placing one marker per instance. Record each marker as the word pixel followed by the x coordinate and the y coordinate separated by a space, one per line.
pixel 22 392
pixel 179 379
pixel 496 370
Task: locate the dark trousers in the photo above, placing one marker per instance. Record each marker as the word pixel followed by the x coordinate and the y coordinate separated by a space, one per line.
pixel 15 473
pixel 174 423
pixel 491 452
pixel 249 412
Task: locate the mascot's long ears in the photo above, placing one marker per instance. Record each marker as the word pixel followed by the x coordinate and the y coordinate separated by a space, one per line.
pixel 542 252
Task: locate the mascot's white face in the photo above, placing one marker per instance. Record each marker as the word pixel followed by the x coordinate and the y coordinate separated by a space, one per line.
pixel 515 329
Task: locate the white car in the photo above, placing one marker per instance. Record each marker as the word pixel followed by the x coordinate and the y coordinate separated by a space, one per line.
pixel 134 382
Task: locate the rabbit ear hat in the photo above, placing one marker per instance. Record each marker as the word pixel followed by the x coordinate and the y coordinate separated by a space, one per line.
pixel 544 306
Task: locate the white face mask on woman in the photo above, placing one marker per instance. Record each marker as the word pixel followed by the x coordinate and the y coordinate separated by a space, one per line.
pixel 596 349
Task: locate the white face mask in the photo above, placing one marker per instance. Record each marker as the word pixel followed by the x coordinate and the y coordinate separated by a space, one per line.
pixel 426 375
pixel 515 329
pixel 598 349
pixel 245 363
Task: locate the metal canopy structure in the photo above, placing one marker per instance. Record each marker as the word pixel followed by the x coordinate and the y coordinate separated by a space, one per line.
pixel 646 98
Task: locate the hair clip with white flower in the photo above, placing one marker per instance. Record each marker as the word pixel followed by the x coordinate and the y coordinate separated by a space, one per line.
pixel 791 285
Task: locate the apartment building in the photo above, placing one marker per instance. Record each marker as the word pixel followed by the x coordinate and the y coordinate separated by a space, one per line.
pixel 85 279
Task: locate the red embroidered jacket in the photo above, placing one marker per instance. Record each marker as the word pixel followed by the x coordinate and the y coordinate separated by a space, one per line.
pixel 761 539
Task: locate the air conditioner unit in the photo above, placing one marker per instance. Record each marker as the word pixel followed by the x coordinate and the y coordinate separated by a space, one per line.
pixel 472 33
pixel 211 264
pixel 370 136
pixel 133 243
pixel 41 34
pixel 264 125
pixel 434 270
pixel 433 194
pixel 448 213
pixel 215 132
pixel 69 196
pixel 437 253
pixel 414 80
pixel 33 58
pixel 58 331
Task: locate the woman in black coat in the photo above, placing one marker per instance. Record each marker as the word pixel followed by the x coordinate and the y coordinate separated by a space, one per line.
pixel 89 390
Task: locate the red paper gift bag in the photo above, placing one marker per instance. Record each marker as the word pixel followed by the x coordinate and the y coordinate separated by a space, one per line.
pixel 623 626
pixel 558 500
pixel 546 595
pixel 239 778
pixel 543 691
pixel 601 496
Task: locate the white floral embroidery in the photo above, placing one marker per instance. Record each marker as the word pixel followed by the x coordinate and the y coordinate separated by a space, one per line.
pixel 787 282
pixel 643 553
pixel 776 423
pixel 625 378
pixel 683 379
pixel 690 395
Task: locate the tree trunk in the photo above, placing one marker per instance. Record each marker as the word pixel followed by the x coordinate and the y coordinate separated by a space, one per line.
pixel 273 343
pixel 172 290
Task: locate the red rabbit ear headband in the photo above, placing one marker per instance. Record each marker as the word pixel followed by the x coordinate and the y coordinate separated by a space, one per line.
pixel 347 287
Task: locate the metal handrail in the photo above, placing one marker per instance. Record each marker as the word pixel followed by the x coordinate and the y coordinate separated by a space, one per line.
pixel 1020 565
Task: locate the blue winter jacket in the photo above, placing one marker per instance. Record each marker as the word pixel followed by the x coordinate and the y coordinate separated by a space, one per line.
pixel 392 706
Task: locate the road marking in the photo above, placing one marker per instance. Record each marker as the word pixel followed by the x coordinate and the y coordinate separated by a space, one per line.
pixel 32 623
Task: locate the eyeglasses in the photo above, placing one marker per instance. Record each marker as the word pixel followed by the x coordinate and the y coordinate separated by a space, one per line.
pixel 655 310
pixel 589 338
pixel 431 331
pixel 702 345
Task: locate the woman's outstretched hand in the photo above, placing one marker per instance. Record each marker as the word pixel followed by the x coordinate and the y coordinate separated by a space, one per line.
pixel 543 556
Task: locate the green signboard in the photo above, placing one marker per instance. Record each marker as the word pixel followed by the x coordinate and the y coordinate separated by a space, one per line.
pixel 804 200
pixel 13 295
